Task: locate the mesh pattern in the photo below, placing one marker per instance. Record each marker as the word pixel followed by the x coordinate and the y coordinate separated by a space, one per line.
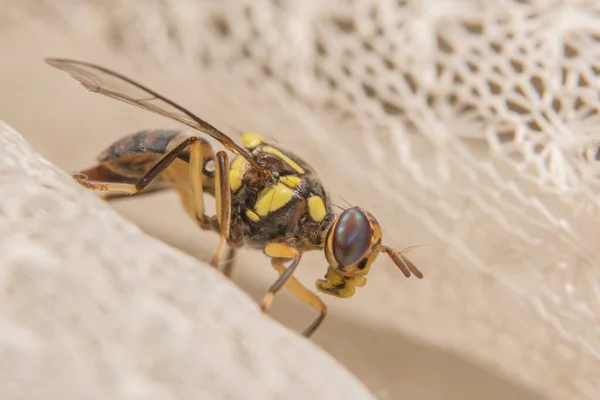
pixel 473 124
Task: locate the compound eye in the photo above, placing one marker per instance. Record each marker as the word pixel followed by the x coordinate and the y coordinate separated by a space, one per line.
pixel 352 237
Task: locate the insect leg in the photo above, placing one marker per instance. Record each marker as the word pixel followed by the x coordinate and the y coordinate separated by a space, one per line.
pixel 229 262
pixel 280 250
pixel 304 295
pixel 195 164
pixel 280 253
pixel 223 198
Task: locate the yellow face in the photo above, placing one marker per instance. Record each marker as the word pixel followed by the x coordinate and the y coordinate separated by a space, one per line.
pixel 352 244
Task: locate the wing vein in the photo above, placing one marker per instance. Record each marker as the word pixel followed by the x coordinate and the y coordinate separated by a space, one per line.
pixel 114 85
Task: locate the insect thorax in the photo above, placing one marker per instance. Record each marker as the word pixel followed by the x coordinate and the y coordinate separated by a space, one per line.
pixel 292 205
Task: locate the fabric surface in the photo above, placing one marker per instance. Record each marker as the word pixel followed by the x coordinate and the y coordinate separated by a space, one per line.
pixel 467 126
pixel 92 308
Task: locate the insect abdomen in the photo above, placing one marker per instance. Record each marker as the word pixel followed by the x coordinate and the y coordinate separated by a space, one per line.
pixel 145 142
pixel 130 157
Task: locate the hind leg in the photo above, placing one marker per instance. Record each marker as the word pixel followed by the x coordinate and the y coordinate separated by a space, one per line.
pixel 195 171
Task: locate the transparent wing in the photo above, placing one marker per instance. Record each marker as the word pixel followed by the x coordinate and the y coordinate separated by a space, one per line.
pixel 111 84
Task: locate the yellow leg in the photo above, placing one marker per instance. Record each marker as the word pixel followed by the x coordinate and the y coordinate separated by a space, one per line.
pixel 223 198
pixel 280 253
pixel 304 295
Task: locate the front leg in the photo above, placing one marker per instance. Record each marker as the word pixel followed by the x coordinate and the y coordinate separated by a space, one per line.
pixel 338 285
pixel 280 253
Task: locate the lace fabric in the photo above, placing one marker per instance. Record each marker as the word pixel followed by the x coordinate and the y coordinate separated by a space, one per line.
pixel 470 126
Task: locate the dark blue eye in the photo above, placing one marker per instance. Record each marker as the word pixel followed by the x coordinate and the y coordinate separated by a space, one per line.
pixel 352 236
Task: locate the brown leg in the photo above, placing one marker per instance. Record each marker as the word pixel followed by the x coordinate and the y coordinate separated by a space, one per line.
pixel 196 159
pixel 280 253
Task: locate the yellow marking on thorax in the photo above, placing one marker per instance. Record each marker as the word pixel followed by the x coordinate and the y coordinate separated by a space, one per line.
pixel 236 173
pixel 290 181
pixel 289 161
pixel 251 140
pixel 273 198
pixel 252 216
pixel 316 208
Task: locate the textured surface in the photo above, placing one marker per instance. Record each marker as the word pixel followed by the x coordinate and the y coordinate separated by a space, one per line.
pixel 469 126
pixel 92 308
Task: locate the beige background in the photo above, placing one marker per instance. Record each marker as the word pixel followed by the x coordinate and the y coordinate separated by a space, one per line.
pixel 69 126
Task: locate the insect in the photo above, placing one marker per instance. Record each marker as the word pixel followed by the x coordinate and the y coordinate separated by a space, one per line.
pixel 266 198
